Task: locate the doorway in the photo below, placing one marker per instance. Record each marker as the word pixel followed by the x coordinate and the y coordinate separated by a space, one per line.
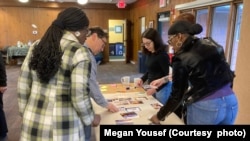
pixel 117 40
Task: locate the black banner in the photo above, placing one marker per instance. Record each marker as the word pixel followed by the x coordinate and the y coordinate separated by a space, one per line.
pixel 174 132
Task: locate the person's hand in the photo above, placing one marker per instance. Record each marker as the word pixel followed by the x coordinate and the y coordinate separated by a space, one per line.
pixel 112 108
pixel 158 82
pixel 140 83
pixel 3 89
pixel 97 120
pixel 170 77
pixel 151 91
pixel 155 120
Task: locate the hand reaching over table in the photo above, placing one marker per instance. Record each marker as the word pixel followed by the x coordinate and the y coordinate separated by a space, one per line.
pixel 112 108
pixel 151 91
pixel 155 120
pixel 161 81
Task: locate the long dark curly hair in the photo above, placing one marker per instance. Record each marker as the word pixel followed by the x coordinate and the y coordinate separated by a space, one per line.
pixel 47 54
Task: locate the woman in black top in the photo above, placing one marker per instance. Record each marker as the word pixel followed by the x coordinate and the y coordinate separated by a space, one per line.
pixel 157 63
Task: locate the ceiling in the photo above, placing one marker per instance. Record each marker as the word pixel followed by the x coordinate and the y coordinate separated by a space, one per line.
pixel 93 1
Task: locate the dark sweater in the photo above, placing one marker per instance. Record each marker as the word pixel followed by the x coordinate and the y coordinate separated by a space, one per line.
pixel 3 77
pixel 157 66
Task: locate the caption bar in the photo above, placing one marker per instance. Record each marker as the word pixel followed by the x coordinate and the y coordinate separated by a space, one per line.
pixel 125 132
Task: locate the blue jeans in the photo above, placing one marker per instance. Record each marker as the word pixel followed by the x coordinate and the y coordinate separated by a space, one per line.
pixel 219 111
pixel 87 131
pixel 164 93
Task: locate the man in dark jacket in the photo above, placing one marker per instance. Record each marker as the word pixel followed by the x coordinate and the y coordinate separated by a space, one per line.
pixel 3 88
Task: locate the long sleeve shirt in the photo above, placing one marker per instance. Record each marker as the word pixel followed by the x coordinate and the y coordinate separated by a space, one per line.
pixel 3 77
pixel 95 92
pixel 157 67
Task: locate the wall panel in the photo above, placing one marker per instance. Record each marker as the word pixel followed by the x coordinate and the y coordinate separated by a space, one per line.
pixel 17 22
pixel 3 28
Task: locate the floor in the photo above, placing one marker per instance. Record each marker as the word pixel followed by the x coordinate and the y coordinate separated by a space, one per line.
pixel 116 58
pixel 107 73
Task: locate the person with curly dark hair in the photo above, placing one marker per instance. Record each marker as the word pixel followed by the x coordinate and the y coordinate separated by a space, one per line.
pixel 53 86
pixel 3 88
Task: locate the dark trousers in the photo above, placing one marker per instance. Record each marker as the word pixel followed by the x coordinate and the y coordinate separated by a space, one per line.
pixel 3 123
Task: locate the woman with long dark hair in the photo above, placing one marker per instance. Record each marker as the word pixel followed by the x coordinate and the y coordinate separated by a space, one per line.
pixel 53 86
pixel 157 63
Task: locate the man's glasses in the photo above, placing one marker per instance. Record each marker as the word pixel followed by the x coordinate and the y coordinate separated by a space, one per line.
pixel 104 43
pixel 147 43
pixel 170 39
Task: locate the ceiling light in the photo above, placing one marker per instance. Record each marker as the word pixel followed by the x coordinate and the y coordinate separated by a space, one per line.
pixel 82 1
pixel 33 25
pixel 23 1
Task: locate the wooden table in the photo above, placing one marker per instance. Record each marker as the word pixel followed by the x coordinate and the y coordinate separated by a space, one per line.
pixel 127 100
pixel 119 88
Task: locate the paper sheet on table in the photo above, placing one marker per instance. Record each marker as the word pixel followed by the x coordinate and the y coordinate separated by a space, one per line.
pixel 103 89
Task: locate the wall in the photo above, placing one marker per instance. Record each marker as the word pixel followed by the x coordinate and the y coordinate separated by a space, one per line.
pixel 16 19
pixel 17 23
pixel 242 80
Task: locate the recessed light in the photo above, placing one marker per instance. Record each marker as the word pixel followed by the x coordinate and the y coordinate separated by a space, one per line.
pixel 82 1
pixel 23 1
